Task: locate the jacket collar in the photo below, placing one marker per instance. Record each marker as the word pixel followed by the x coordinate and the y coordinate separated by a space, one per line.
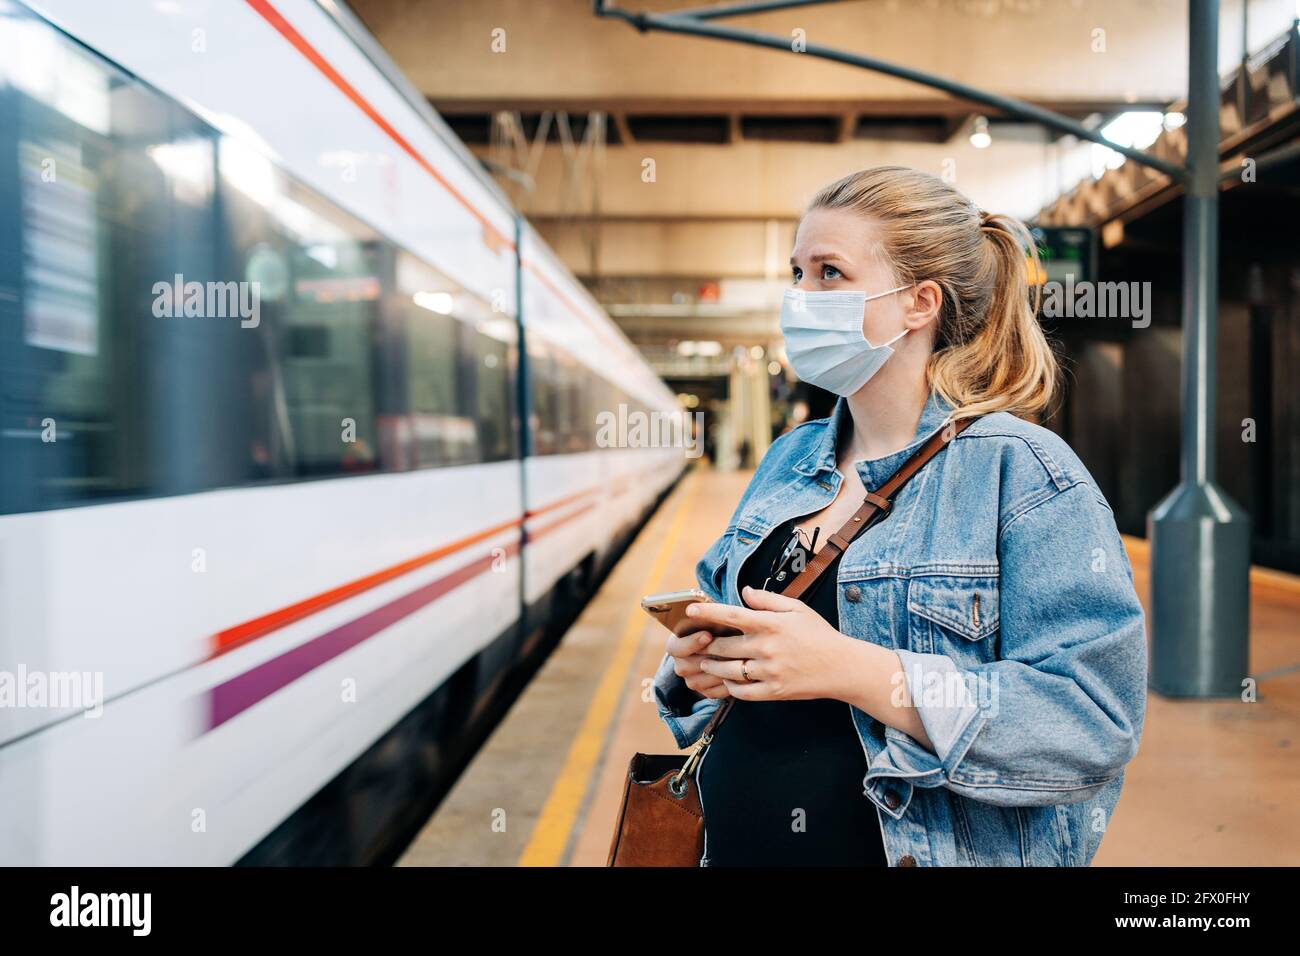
pixel 823 457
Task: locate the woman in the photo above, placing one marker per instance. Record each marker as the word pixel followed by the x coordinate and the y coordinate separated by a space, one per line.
pixel 966 683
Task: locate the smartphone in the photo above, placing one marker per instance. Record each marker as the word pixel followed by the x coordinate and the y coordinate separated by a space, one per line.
pixel 669 609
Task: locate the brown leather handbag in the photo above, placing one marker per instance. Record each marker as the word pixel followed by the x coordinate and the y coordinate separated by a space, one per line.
pixel 661 821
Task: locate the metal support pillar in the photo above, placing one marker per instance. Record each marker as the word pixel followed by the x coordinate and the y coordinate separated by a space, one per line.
pixel 1200 538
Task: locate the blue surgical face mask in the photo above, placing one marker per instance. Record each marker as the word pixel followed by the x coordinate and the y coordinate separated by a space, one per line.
pixel 823 337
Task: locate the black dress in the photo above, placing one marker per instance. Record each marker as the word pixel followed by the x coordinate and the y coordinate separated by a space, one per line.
pixel 781 784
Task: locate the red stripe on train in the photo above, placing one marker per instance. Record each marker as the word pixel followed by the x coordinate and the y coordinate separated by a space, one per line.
pixel 492 236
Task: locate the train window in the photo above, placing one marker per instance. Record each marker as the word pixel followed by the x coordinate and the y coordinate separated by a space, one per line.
pixel 303 372
pixel 493 393
pixel 542 373
pixel 570 376
pixel 106 370
pixel 442 435
pixel 562 394
pixel 177 314
pixel 598 400
pixel 442 366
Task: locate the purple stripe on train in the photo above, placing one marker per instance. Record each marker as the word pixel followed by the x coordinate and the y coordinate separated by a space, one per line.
pixel 242 691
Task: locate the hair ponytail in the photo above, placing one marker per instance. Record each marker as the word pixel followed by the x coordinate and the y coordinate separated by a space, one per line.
pixel 990 353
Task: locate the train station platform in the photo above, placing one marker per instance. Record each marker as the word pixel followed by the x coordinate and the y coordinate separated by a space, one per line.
pixel 1214 783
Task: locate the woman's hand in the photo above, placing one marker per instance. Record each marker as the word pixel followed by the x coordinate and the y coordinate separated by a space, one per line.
pixel 785 651
pixel 688 653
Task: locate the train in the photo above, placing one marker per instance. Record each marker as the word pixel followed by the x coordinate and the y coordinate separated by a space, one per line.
pixel 298 455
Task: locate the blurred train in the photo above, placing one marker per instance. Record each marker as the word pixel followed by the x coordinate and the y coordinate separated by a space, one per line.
pixel 297 442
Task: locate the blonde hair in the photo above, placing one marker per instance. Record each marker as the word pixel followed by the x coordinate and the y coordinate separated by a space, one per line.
pixel 990 353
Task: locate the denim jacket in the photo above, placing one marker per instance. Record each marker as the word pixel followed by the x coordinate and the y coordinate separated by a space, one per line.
pixel 1000 580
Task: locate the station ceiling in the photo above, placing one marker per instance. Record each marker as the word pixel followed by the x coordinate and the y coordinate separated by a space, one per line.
pixel 669 171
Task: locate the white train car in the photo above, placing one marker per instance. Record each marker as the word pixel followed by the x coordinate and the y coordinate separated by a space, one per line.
pixel 577 491
pixel 297 437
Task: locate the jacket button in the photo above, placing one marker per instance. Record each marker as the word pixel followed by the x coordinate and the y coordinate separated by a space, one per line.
pixel 853 594
pixel 908 860
pixel 891 800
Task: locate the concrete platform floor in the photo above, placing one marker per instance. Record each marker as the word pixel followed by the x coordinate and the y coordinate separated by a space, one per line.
pixel 1215 783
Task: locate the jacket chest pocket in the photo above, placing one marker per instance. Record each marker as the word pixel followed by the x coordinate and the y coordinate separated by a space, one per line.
pixel 956 616
pixel 728 550
pixel 712 566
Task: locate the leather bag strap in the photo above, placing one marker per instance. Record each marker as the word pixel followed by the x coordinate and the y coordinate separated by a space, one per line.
pixel 876 504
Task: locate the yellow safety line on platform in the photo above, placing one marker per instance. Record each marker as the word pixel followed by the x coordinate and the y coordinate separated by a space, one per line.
pixel 551 832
